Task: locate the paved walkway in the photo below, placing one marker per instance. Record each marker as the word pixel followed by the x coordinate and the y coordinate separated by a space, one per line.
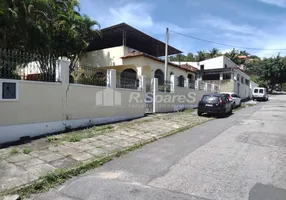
pixel 26 163
pixel 242 157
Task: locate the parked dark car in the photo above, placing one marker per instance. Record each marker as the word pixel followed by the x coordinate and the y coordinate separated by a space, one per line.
pixel 215 104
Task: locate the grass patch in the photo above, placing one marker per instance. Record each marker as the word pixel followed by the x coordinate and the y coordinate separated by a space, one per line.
pixel 26 150
pixel 14 151
pixel 77 136
pixel 51 138
pixel 189 110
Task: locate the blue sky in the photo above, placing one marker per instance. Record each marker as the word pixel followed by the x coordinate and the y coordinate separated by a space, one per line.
pixel 247 23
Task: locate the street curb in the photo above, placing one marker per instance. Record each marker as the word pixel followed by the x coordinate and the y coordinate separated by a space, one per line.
pixel 59 176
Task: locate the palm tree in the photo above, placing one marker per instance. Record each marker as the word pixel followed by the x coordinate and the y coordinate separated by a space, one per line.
pixel 214 53
pixel 201 55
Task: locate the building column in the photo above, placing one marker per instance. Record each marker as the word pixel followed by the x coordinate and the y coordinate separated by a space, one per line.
pixel 155 90
pixel 62 72
pixel 111 78
pixel 143 83
pixel 187 83
pixel 173 80
pixel 139 71
pixel 221 76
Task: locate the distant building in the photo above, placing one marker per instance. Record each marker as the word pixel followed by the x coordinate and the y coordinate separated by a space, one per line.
pixel 225 73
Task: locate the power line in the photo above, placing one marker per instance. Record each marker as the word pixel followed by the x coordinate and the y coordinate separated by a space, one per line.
pixel 228 45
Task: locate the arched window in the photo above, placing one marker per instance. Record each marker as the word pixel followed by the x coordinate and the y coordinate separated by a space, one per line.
pixel 190 77
pixel 191 80
pixel 128 79
pixel 160 76
pixel 181 81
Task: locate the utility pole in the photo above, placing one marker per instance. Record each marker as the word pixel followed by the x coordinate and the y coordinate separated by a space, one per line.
pixel 166 55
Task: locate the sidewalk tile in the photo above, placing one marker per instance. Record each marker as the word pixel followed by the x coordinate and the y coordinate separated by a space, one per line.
pixel 97 151
pixel 41 169
pixel 82 156
pixel 19 157
pixel 64 162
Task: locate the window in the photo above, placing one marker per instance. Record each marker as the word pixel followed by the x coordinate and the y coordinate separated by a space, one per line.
pixel 238 77
pixel 160 76
pixel 261 91
pixel 255 90
pixel 8 90
pixel 202 67
pixel 181 81
pixel 226 76
pixel 210 99
pixel 225 66
pixel 235 96
pixel 247 82
pixel 242 80
pixel 210 77
pixel 224 98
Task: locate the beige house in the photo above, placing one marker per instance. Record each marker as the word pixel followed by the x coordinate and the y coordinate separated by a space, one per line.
pixel 132 54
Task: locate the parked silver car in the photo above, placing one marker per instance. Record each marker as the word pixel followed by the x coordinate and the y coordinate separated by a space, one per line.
pixel 234 98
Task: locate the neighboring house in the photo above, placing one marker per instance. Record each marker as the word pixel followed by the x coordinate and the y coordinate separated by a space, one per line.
pixel 132 53
pixel 212 63
pixel 225 73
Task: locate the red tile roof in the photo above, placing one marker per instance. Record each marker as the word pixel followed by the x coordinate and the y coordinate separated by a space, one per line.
pixel 189 67
pixel 138 54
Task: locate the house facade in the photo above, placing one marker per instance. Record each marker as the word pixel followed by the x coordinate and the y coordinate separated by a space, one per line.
pixel 225 73
pixel 133 53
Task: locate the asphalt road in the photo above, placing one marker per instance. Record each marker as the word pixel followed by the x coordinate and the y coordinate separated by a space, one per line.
pixel 239 157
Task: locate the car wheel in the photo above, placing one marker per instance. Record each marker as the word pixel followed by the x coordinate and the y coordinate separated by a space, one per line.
pixel 233 105
pixel 230 112
pixel 200 113
pixel 223 114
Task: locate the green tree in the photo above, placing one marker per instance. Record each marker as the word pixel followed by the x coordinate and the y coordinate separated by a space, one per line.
pixel 271 71
pixel 201 55
pixel 47 28
pixel 214 53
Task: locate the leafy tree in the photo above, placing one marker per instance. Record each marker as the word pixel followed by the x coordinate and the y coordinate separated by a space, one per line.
pixel 190 57
pixel 270 70
pixel 47 28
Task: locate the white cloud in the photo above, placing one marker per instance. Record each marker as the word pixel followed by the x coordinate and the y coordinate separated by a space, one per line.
pixel 244 35
pixel 280 3
pixel 133 14
pixel 226 25
pixel 139 15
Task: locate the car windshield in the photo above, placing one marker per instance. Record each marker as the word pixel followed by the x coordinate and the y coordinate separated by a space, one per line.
pixel 255 90
pixel 210 99
pixel 261 91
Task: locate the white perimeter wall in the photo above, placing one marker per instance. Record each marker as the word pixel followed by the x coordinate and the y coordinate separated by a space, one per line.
pixel 43 108
pixel 178 100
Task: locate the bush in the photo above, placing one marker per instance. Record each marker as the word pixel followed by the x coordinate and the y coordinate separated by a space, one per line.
pixel 95 79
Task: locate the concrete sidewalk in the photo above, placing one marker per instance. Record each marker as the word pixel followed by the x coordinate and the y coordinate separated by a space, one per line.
pixel 24 164
pixel 242 157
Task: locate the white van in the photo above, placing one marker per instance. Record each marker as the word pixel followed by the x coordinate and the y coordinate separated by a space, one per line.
pixel 259 93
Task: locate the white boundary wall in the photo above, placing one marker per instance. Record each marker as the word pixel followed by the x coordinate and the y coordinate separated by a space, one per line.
pixel 44 108
pixel 178 99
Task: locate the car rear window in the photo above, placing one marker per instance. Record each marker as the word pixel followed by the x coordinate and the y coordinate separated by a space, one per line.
pixel 261 91
pixel 255 90
pixel 210 99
